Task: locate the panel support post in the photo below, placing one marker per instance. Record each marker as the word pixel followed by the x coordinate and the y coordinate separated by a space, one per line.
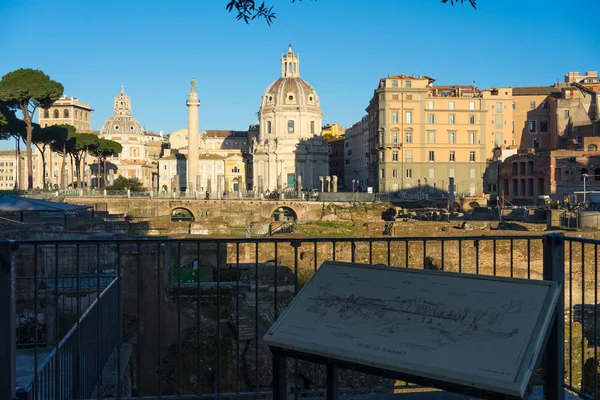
pixel 554 265
pixel 333 382
pixel 279 375
pixel 8 342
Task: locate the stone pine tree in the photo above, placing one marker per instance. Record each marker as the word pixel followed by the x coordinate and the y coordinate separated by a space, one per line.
pixel 13 127
pixel 27 90
pixel 63 145
pixel 43 139
pixel 83 143
pixel 102 150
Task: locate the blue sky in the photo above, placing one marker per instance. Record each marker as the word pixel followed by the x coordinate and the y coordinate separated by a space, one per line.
pixel 155 47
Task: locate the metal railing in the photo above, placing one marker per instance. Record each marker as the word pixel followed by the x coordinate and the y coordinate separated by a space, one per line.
pixel 195 310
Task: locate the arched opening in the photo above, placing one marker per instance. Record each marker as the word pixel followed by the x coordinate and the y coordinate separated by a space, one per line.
pixel 284 214
pixel 181 214
pixel 592 147
pixel 46 114
pixel 65 113
pixel 55 113
pixel 473 205
pixel 456 207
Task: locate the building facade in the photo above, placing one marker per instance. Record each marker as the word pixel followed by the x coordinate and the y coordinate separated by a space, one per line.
pixel 67 110
pixel 331 131
pixel 336 160
pixel 421 135
pixel 356 155
pixel 8 169
pixel 289 150
pixel 141 150
pixel 531 116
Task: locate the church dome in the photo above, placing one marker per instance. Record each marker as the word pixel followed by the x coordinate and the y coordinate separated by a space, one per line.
pixel 122 122
pixel 290 89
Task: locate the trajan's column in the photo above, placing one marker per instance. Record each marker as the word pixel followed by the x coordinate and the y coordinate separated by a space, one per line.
pixel 192 163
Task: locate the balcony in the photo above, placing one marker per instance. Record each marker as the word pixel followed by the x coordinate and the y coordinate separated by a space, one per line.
pixel 184 318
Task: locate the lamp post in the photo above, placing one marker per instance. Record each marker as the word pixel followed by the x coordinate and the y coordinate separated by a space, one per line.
pixel 353 185
pixel 584 176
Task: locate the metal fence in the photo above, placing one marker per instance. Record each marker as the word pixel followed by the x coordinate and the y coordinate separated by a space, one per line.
pixel 194 311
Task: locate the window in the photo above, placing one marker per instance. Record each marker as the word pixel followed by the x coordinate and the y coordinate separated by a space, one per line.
pixel 395 156
pixel 431 173
pixel 46 114
pixel 407 84
pixel 498 107
pixel 408 97
pixel 592 147
pixel 408 155
pixel 472 156
pixel 452 156
pixel 472 119
pixel 532 105
pixel 472 137
pixel 544 104
pixel 566 114
pixel 65 113
pixel 382 156
pixel 544 126
pixel 514 105
pixel 409 173
pixel 395 138
pixel 409 137
pixel 394 97
pixel 409 117
pixel 381 138
pixel 291 126
pixel 532 126
pixel 430 104
pixel 431 118
pixel 394 117
pixel 452 137
pixel 431 156
pixel 498 121
pixel 471 105
pixel 394 83
pixel 452 119
pixel 55 114
pixel 268 126
pixel 394 173
pixel 382 173
pixel 431 137
pixel 451 105
pixel 312 127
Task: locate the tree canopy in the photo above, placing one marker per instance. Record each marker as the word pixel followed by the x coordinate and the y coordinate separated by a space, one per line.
pixel 249 10
pixel 26 90
pixel 122 183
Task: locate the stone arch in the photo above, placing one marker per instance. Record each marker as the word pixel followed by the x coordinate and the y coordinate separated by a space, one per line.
pixel 456 206
pixel 473 204
pixel 284 214
pixel 180 213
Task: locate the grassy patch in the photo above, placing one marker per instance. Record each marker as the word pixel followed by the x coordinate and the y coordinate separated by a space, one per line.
pixel 186 275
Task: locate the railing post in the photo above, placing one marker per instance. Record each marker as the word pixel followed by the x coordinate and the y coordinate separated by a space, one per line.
pixel 554 270
pixel 8 341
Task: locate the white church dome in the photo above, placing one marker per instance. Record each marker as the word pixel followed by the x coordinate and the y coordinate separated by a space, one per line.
pixel 122 122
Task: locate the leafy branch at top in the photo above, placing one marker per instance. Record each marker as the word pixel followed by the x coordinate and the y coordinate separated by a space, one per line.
pixel 249 10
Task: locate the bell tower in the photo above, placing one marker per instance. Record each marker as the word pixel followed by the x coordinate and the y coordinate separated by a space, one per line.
pixel 122 103
pixel 290 64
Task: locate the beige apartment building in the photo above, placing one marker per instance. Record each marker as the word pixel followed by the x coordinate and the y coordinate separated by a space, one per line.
pixel 8 169
pixel 422 135
pixel 67 110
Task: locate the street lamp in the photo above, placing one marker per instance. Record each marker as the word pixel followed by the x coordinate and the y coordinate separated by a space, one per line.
pixel 584 176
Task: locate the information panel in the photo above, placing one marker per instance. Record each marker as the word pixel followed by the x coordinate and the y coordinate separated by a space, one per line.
pixel 473 330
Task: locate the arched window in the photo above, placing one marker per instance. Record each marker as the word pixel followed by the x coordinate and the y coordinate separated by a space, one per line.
pixel 56 115
pixel 312 127
pixel 592 147
pixel 290 126
pixel 65 113
pixel 268 126
pixel 46 114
